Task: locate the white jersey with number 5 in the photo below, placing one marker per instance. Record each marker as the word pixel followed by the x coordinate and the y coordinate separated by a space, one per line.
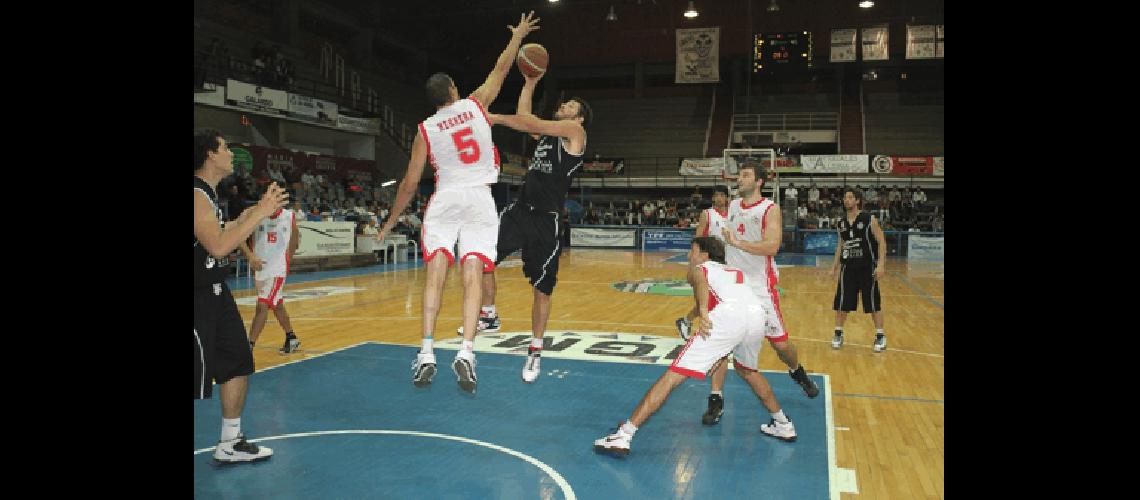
pixel 271 244
pixel 747 221
pixel 459 146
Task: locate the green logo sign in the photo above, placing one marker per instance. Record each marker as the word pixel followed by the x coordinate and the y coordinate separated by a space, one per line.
pixel 243 161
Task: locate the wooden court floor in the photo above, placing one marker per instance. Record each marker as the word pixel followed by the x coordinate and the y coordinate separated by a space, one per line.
pixel 889 407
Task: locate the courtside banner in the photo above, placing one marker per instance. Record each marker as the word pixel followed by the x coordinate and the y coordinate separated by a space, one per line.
pixel 603 237
pixel 614 166
pixel 834 164
pixel 366 125
pixel 326 238
pixel 216 97
pixel 926 248
pixel 256 96
pixel 843 45
pixel 823 243
pixel 903 165
pixel 667 240
pixel 702 166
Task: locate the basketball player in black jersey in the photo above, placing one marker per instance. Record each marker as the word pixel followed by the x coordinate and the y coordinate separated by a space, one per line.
pixel 221 349
pixel 532 223
pixel 861 254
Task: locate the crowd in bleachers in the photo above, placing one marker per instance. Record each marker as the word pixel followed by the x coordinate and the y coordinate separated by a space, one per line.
pixel 267 65
pixel 897 209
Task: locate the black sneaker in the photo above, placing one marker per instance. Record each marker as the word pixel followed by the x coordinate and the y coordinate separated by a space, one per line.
pixel 716 409
pixel 684 328
pixel 486 324
pixel 805 382
pixel 291 344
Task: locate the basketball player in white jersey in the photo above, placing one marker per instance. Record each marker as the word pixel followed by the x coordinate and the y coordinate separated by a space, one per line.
pixel 711 222
pixel 274 243
pixel 457 141
pixel 733 319
pixel 752 240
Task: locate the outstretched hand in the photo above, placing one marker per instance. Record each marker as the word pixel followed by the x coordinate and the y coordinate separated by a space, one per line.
pixel 525 26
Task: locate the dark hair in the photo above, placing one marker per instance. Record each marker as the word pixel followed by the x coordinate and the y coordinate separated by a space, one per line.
pixel 711 246
pixel 857 193
pixel 584 111
pixel 438 89
pixel 205 141
pixel 757 168
pixel 720 189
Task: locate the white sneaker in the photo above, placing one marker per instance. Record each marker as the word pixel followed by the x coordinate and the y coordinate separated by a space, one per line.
pixel 423 369
pixel 616 444
pixel 239 450
pixel 837 341
pixel 784 432
pixel 533 367
pixel 464 368
pixel 880 343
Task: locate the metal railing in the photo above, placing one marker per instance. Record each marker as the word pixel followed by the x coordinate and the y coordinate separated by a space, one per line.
pixel 785 121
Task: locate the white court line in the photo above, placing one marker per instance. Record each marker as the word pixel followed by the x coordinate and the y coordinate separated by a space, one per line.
pixel 409 318
pixel 567 491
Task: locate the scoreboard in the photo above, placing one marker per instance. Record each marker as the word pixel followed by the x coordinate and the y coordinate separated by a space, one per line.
pixel 781 50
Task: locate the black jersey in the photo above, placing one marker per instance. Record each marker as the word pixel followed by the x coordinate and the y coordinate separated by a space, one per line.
pixel 860 248
pixel 207 269
pixel 548 179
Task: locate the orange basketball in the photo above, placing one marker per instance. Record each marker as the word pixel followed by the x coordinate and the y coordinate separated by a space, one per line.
pixel 532 59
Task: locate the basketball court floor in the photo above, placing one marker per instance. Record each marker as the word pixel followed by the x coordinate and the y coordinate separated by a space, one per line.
pixel 345 421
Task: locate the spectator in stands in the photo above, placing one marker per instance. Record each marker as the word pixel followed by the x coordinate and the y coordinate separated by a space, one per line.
pixel 919 198
pixel 661 216
pixel 696 196
pixel 894 196
pixel 274 173
pixel 314 214
pixel 649 212
pixel 884 211
pixel 813 195
pixel 683 223
pixel 870 195
pixel 822 220
pixel 802 212
pixel 790 193
pixel 309 181
pixel 907 197
pixel 292 176
pixel 883 194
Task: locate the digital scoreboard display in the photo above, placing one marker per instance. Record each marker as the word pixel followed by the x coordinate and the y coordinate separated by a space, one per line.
pixel 781 50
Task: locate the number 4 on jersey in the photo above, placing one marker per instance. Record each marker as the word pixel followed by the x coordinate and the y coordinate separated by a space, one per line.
pixel 740 229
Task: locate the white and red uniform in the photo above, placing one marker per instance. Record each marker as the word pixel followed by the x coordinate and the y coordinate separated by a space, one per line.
pixel 271 245
pixel 466 162
pixel 738 317
pixel 748 223
pixel 717 221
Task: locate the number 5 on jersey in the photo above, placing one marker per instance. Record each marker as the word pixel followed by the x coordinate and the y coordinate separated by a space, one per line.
pixel 467 147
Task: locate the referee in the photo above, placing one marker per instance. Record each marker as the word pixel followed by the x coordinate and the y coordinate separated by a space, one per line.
pixel 859 259
pixel 222 351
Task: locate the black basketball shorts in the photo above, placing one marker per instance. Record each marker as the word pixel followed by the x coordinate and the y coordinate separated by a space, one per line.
pixel 537 234
pixel 221 346
pixel 855 281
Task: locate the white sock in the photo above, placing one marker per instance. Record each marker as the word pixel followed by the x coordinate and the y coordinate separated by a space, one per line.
pixel 718 393
pixel 468 346
pixel 489 311
pixel 780 417
pixel 629 428
pixel 536 342
pixel 231 427
pixel 425 347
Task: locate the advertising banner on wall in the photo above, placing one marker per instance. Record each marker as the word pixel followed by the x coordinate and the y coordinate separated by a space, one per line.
pixel 603 237
pixel 667 240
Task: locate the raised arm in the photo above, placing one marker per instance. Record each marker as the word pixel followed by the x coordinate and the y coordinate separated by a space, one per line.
pixel 489 90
